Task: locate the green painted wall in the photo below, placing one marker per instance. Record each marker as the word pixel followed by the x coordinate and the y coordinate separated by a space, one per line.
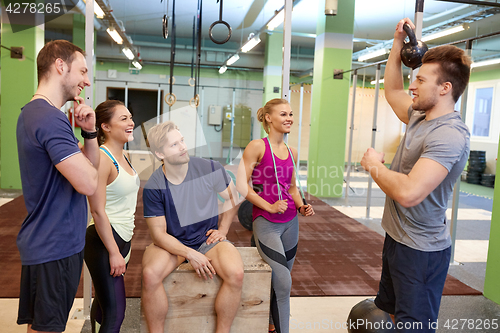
pixel 273 64
pixel 79 30
pixel 19 83
pixel 485 75
pixel 182 71
pixel 491 285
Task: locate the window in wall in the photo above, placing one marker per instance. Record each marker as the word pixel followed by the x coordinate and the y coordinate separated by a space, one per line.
pixel 482 112
pixel 458 104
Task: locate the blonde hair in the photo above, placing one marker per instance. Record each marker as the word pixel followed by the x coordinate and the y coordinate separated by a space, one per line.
pixel 267 109
pixel 157 136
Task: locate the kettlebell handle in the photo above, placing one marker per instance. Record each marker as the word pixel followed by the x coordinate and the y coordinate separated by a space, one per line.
pixel 411 34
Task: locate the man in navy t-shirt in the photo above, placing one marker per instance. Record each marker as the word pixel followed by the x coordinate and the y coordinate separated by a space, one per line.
pixel 56 174
pixel 181 209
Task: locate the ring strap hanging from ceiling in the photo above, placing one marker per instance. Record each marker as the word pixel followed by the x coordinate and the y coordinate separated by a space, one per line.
pixel 165 26
pixel 191 79
pixel 196 97
pixel 220 21
pixel 165 23
pixel 171 98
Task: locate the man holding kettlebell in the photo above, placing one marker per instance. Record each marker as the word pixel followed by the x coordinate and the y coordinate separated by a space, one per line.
pixel 429 159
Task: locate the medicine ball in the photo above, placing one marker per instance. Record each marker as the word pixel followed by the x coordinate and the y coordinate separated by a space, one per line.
pixel 366 317
pixel 245 214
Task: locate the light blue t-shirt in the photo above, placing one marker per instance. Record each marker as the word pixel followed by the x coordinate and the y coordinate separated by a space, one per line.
pixel 445 140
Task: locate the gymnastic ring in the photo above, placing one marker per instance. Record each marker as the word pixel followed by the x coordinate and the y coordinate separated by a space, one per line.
pixel 195 101
pixel 170 99
pixel 165 26
pixel 191 81
pixel 173 80
pixel 228 34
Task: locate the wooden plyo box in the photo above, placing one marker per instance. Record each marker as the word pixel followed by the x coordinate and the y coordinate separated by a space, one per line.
pixel 191 299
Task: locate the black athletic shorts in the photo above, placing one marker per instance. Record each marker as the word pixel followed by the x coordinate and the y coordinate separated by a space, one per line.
pixel 411 285
pixel 47 293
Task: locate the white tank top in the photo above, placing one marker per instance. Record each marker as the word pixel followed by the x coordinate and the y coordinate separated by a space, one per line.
pixel 121 199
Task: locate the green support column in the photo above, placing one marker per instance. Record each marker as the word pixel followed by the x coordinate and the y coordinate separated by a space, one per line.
pixel 273 61
pixel 79 30
pixel 79 40
pixel 333 50
pixel 491 285
pixel 19 83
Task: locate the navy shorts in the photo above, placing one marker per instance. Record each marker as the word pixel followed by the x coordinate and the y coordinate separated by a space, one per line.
pixel 47 293
pixel 411 285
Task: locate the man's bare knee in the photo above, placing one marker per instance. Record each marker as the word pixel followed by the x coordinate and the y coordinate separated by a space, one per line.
pixel 151 277
pixel 236 278
pixel 157 264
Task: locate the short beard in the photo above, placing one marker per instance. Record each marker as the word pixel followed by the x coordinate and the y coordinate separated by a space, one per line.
pixel 177 160
pixel 425 105
pixel 68 95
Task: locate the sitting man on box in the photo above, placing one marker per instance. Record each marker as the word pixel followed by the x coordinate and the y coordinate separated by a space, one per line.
pixel 181 210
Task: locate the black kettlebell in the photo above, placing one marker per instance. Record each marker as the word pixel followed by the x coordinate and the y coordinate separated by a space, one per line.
pixel 413 51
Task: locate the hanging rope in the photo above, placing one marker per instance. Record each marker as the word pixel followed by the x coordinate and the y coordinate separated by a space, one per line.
pixel 170 99
pixel 191 79
pixel 195 101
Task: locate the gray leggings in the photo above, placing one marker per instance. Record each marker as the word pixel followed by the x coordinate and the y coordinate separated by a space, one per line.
pixel 277 245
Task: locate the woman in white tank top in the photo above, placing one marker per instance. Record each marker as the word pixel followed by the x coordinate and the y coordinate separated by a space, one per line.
pixel 107 247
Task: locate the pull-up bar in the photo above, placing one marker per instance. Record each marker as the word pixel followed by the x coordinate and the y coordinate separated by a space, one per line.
pixel 362 67
pixel 473 38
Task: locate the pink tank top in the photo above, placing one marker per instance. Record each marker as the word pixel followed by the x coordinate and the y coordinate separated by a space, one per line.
pixel 264 183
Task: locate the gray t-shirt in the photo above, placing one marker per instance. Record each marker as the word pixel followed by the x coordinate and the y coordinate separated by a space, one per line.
pixel 445 140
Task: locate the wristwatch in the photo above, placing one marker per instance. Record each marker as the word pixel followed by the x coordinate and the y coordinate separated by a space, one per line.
pixel 88 135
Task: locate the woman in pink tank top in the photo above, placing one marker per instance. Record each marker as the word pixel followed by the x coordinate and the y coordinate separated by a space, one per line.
pixel 269 163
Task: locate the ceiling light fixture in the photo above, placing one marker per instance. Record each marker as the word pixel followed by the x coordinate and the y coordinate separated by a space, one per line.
pixel 223 69
pixel 99 13
pixel 373 54
pixel 233 59
pixel 485 63
pixel 250 44
pixel 445 32
pixel 137 65
pixel 278 18
pixel 128 53
pixel 115 35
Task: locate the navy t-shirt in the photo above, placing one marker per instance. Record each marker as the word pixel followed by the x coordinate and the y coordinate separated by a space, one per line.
pixel 190 208
pixel 57 213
